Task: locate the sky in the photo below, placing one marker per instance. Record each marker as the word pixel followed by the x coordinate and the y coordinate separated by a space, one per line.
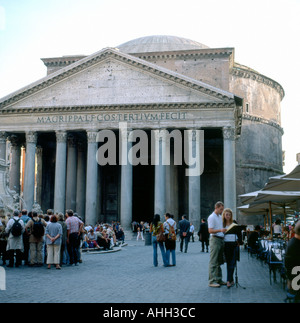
pixel 264 33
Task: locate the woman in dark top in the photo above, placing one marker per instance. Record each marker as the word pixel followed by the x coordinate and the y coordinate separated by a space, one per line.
pixel 156 228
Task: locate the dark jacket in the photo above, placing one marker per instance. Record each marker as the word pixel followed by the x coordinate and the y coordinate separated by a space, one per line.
pixel 203 232
pixel 184 226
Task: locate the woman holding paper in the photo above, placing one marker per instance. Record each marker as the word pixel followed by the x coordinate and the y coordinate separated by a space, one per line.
pixel 231 246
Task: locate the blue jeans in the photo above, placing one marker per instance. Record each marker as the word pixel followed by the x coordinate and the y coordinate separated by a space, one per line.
pixel 173 253
pixel 155 244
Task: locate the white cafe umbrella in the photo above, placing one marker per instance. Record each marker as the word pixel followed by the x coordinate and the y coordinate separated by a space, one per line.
pixel 285 198
pixel 295 173
pixel 263 209
pixel 259 209
pixel 248 197
pixel 277 196
pixel 280 183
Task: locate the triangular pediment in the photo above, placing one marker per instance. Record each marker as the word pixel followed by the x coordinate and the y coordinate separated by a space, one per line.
pixel 108 78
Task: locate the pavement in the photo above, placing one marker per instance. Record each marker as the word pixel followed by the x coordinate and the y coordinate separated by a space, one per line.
pixel 128 276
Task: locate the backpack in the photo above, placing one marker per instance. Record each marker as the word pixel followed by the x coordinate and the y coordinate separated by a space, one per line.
pixel 172 234
pixel 38 229
pixel 16 229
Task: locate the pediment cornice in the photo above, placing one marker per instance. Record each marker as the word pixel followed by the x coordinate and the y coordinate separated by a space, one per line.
pixel 118 107
pixel 110 53
pixel 187 54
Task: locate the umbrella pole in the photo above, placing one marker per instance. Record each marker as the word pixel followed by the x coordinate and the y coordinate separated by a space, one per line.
pixel 284 214
pixel 270 209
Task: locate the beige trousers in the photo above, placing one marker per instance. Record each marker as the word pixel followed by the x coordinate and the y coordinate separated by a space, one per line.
pixel 53 254
pixel 36 252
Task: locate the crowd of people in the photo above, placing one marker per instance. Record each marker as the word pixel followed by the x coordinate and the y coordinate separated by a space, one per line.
pixel 53 239
pixel 59 239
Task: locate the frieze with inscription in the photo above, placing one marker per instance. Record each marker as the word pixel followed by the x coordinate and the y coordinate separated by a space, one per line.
pixel 111 117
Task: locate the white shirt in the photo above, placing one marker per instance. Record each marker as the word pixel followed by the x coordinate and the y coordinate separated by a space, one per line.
pixel 215 222
pixel 169 222
pixel 277 229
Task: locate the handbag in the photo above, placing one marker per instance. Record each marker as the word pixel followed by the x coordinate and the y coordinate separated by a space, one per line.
pixel 160 237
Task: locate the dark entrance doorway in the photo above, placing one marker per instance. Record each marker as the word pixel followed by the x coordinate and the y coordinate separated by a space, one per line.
pixel 143 193
pixel 110 193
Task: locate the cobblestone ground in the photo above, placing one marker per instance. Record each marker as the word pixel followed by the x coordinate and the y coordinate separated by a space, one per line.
pixel 128 276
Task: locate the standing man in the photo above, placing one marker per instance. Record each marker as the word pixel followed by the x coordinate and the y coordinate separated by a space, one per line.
pixel 74 227
pixel 36 230
pixel 184 228
pixel 15 227
pixel 192 230
pixel 204 235
pixel 216 230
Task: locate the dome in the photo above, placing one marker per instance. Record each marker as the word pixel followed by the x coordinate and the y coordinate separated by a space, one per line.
pixel 159 44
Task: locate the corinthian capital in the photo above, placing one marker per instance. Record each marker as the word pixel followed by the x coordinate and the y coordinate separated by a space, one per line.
pixel 229 133
pixel 61 136
pixel 92 136
pixel 3 137
pixel 14 140
pixel 31 137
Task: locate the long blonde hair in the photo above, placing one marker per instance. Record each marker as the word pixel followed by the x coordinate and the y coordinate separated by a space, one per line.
pixel 223 216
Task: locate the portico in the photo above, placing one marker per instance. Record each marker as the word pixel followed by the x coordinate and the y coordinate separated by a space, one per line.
pixel 57 120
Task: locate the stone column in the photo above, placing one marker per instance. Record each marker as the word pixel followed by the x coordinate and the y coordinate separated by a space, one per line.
pixel 126 181
pixel 160 175
pixel 3 137
pixel 15 164
pixel 29 176
pixel 39 174
pixel 194 182
pixel 71 173
pixel 81 180
pixel 91 179
pixel 229 169
pixel 60 172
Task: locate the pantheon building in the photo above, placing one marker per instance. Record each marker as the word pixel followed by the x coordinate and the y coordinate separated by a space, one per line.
pixel 49 130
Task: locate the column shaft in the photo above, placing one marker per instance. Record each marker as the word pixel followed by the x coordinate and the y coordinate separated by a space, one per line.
pixel 29 176
pixel 71 184
pixel 229 169
pixel 91 179
pixel 15 164
pixel 60 172
pixel 160 175
pixel 3 137
pixel 194 181
pixel 126 182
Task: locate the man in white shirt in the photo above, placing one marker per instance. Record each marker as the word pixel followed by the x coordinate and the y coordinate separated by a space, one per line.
pixel 216 230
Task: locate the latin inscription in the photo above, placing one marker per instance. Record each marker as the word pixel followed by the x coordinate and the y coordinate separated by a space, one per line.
pixel 113 117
